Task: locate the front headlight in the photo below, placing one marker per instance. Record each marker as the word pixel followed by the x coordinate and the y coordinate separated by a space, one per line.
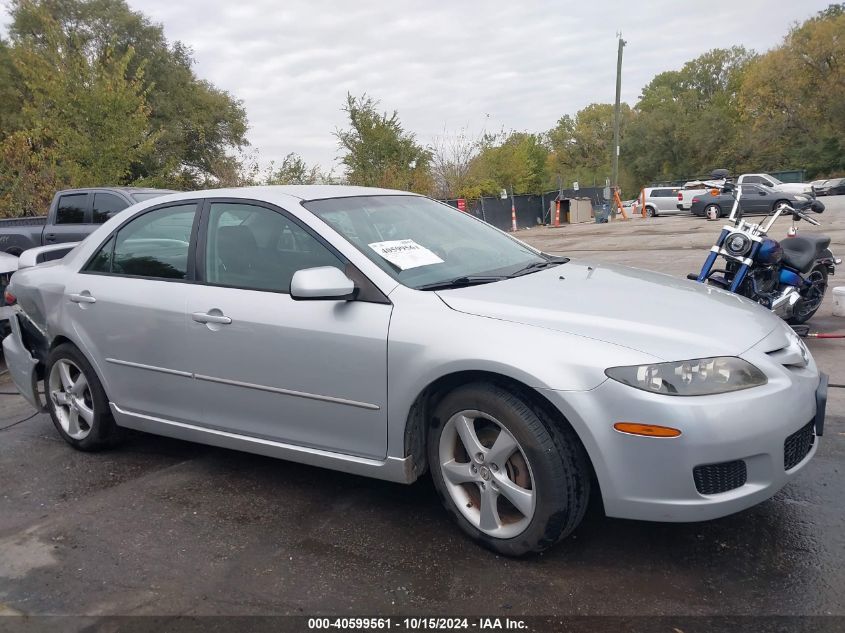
pixel 698 377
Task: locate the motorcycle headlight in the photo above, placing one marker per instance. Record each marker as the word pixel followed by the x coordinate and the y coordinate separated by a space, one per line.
pixel 698 377
pixel 738 244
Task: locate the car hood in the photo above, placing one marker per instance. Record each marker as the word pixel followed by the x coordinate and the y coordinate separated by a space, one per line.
pixel 793 187
pixel 657 314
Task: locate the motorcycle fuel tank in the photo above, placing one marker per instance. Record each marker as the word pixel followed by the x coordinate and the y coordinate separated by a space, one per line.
pixel 770 252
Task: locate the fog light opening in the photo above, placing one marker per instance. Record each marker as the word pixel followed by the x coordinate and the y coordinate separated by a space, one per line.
pixel 646 430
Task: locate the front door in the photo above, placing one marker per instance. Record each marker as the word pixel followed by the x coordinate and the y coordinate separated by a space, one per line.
pixel 310 373
pixel 128 309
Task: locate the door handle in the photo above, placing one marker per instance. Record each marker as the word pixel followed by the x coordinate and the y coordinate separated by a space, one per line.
pixel 82 298
pixel 203 317
pixel 50 237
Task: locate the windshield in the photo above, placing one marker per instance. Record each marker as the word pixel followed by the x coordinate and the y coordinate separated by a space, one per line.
pixel 148 195
pixel 420 242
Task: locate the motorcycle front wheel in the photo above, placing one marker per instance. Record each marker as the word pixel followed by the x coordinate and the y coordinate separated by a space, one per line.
pixel 811 296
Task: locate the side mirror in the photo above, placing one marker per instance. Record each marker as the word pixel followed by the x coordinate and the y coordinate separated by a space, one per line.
pixel 817 206
pixel 324 282
pixel 762 193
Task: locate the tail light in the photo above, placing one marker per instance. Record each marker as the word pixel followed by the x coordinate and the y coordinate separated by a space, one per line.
pixel 680 196
pixel 9 299
pixel 695 200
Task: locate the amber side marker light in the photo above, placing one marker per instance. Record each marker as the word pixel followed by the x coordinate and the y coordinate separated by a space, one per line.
pixel 648 430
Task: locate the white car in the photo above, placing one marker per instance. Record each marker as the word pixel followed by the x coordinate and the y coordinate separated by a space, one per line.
pixel 778 185
pixel 695 188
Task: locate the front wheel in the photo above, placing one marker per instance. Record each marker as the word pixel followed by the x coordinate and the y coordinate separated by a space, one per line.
pixel 514 481
pixel 811 296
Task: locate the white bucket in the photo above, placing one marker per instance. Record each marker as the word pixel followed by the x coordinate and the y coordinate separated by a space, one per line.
pixel 839 301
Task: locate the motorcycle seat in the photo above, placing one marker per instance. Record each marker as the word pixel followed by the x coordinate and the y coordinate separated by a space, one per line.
pixel 801 252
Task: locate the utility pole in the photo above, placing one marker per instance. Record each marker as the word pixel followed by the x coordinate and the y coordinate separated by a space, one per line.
pixel 614 179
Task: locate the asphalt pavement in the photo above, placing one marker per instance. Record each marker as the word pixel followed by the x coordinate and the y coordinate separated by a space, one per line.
pixel 163 527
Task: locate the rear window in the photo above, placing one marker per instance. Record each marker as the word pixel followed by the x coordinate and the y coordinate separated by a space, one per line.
pixel 71 208
pixel 106 205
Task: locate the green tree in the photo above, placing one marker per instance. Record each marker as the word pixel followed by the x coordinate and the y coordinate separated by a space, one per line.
pixel 378 152
pixel 582 147
pixel 687 122
pixel 83 121
pixel 514 161
pixel 293 171
pixel 198 129
pixel 793 98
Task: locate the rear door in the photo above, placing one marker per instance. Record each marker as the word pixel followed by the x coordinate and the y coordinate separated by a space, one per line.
pixel 70 224
pixel 128 307
pixel 105 205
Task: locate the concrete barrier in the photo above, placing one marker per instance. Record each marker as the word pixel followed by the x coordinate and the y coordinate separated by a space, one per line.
pixel 839 301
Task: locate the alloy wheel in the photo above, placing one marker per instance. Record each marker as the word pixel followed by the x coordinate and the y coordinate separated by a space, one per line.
pixel 487 474
pixel 72 400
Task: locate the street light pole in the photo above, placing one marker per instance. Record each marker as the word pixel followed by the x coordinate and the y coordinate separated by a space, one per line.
pixel 614 179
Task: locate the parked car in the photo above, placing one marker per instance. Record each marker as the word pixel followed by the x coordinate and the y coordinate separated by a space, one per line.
pixel 385 334
pixel 693 188
pixel 820 187
pixel 830 187
pixel 661 200
pixel 767 180
pixel 755 199
pixel 73 214
pixel 8 265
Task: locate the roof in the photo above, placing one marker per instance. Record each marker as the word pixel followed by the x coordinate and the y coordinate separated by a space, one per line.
pixel 301 192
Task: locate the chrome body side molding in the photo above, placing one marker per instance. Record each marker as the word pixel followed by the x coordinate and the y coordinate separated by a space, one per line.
pixel 399 470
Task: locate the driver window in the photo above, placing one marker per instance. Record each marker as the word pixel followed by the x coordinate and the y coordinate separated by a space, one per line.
pixel 258 248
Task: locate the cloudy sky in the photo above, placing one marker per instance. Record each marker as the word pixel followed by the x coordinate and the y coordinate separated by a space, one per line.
pixel 446 64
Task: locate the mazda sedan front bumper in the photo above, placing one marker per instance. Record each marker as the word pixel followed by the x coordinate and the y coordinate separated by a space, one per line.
pixel 735 450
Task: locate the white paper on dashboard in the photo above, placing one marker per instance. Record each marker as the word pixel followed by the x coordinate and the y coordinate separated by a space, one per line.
pixel 405 254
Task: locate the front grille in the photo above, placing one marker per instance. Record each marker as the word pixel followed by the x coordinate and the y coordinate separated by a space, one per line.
pixel 712 479
pixel 797 445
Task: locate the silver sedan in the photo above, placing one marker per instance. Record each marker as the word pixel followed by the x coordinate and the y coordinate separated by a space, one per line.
pixel 384 334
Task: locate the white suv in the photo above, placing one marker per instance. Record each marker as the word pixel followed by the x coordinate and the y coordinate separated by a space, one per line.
pixel 661 200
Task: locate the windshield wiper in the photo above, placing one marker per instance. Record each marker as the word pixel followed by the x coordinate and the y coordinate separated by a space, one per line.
pixel 535 266
pixel 460 282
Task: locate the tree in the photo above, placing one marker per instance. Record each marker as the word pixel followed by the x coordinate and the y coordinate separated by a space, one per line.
pixel 293 171
pixel 198 129
pixel 582 147
pixel 793 98
pixel 515 161
pixel 687 122
pixel 451 159
pixel 378 152
pixel 83 121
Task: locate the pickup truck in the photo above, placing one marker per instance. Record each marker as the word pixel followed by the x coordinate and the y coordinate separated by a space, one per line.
pixel 770 181
pixel 73 214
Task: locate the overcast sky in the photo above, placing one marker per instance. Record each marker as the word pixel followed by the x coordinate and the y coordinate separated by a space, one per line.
pixel 446 64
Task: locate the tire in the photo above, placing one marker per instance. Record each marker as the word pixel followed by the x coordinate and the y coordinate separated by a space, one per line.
pixel 650 212
pixel 778 203
pixel 80 410
pixel 545 471
pixel 820 273
pixel 713 209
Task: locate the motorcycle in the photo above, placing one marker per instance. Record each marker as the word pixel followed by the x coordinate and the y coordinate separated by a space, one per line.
pixel 788 277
